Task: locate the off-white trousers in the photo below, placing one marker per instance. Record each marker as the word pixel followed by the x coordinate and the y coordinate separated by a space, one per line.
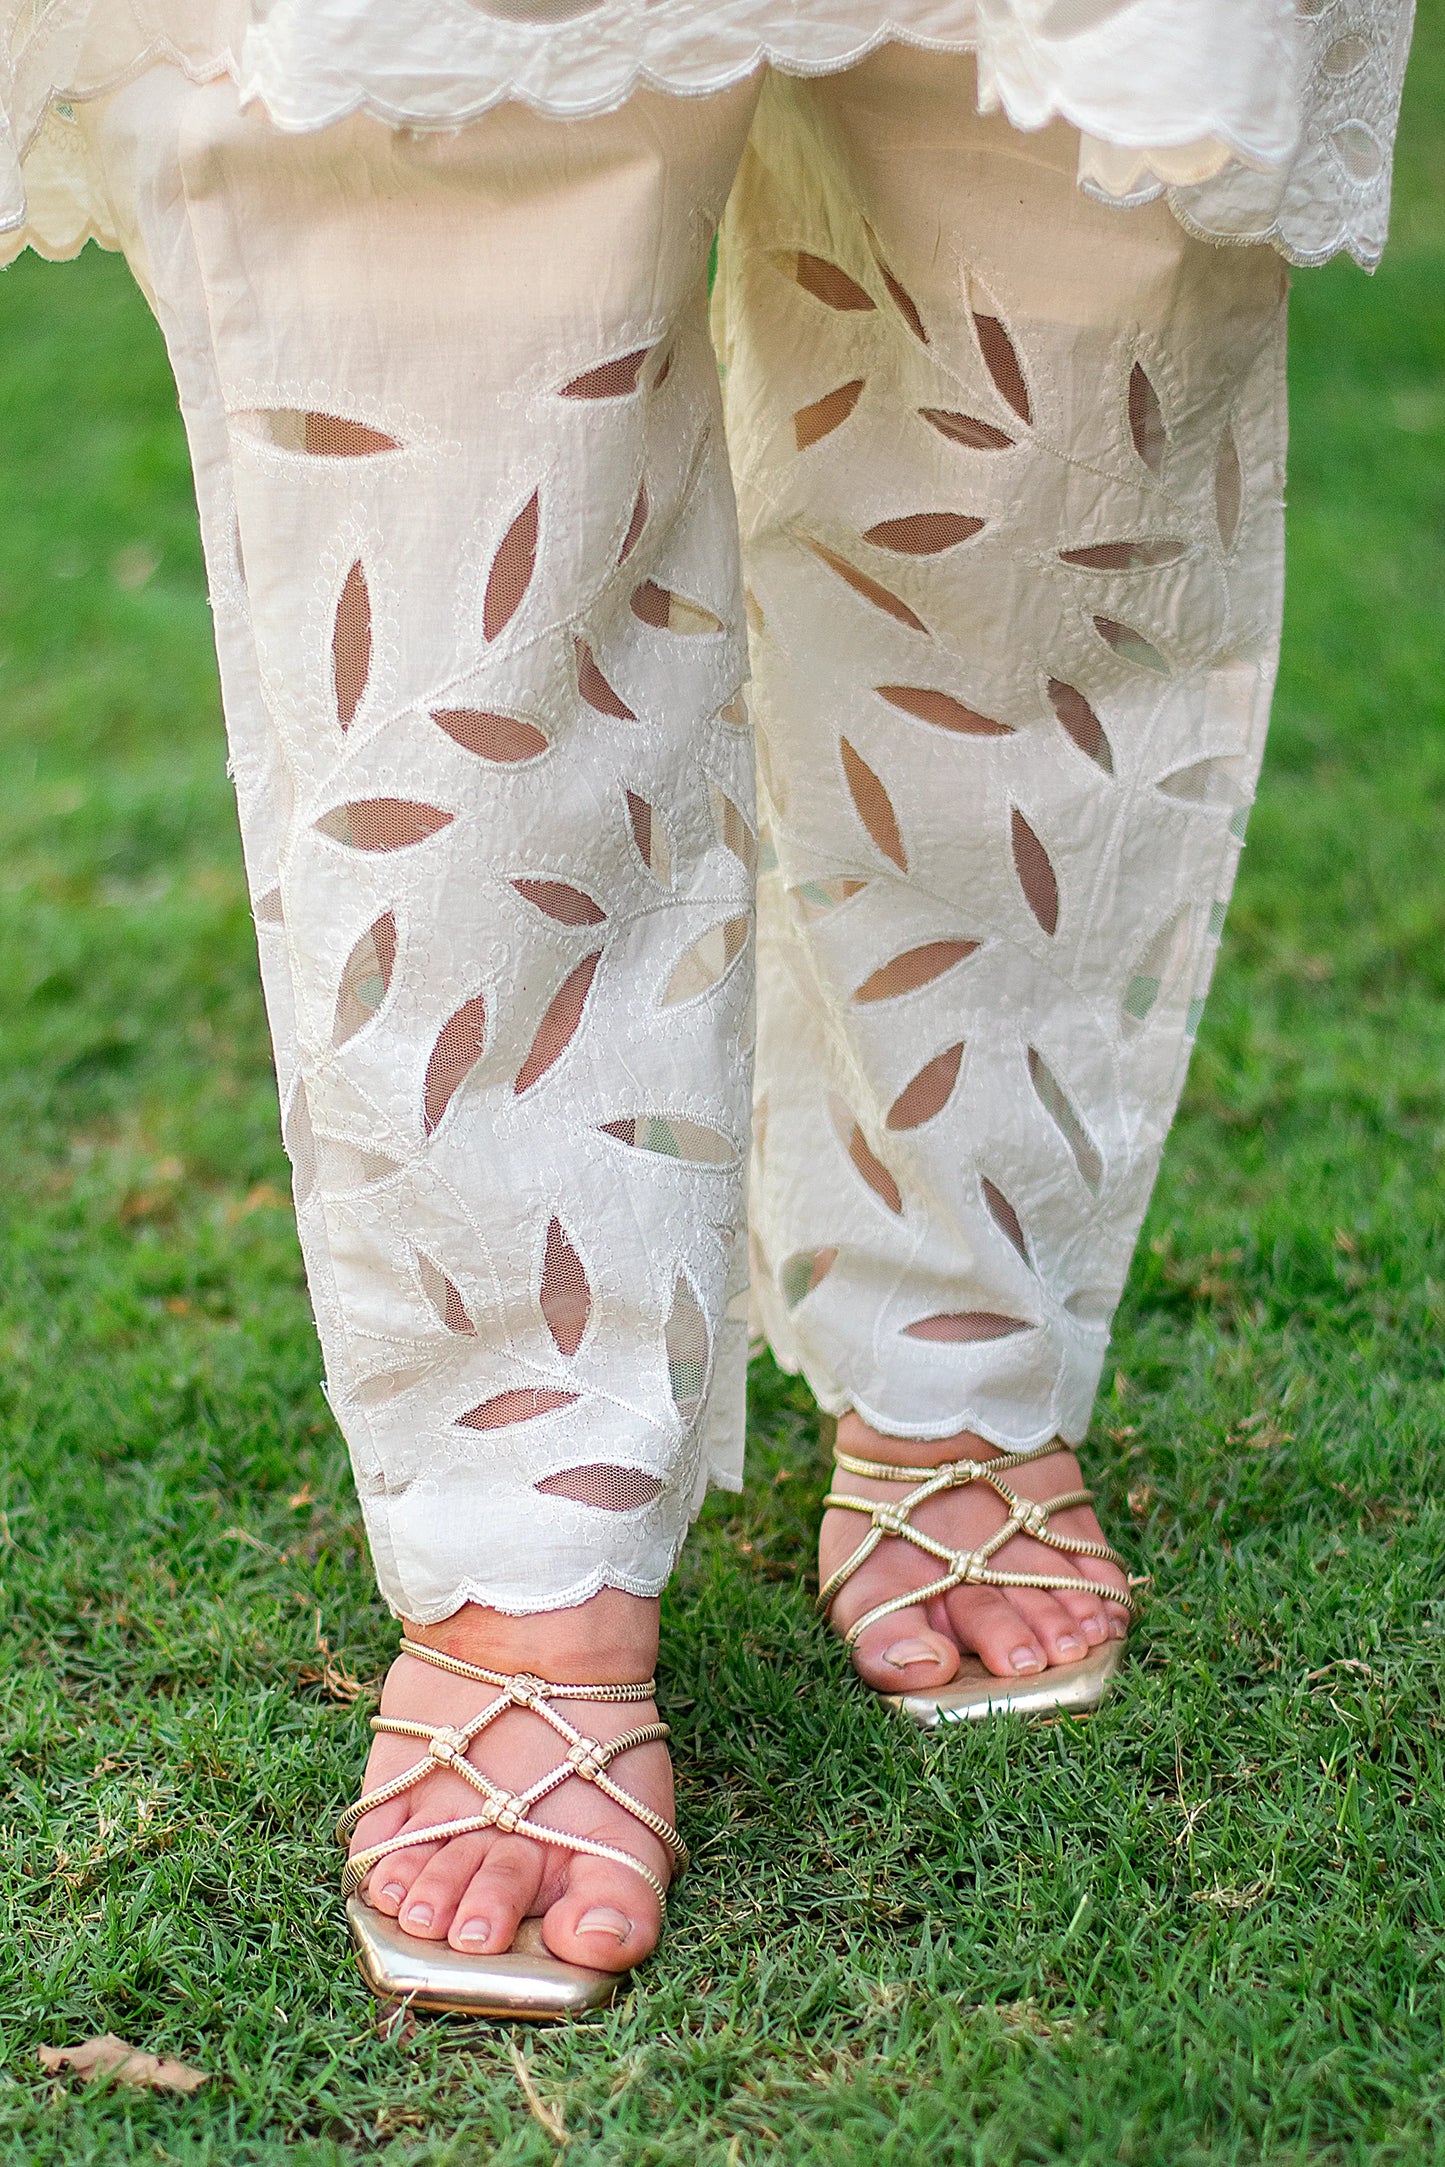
pixel 1009 466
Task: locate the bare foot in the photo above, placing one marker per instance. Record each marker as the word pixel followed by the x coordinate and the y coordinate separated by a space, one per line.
pixel 475 1890
pixel 1015 1632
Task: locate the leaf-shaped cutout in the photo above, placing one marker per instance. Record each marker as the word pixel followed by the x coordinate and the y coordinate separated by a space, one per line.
pixel 1036 874
pixel 1130 645
pixel 1070 18
pixel 321 436
pixel 735 714
pixel 444 1296
pixel 557 899
pixel 873 805
pixel 915 967
pixel 268 909
pixel 1082 724
pixel 734 833
pixel 692 1142
pixel 929 1092
pixel 595 689
pixel 1091 1305
pixel 1343 56
pixel 1159 966
pixel 685 1339
pixel 1132 556
pixel 1000 358
pixel 825 281
pixel 870 589
pixel 664 368
pixel 1360 151
pixel 351 645
pixel 603 1485
pixel 388 1385
pixel 967 1324
pixel 564 1296
pixel 942 710
pixel 1057 1105
pixel 924 534
pixel 1207 782
pixel 1146 420
pixel 813 899
pixel 342 1165
pixel 812 423
pixel 902 300
pixel 1005 1218
pixel 512 569
pixel 559 1026
pixel 383 823
pixel 456 1053
pixel 1228 489
pixel 524 1405
pixel 300 1141
pixel 506 739
pixel 668 612
pixel 967 429
pixel 708 960
pixel 753 611
pixel 864 1158
pixel 611 379
pixel 366 979
pixel 803 1271
pixel 650 836
pixel 635 524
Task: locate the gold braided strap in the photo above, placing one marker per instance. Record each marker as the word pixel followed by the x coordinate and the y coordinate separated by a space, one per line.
pixel 963 1568
pixel 589 1759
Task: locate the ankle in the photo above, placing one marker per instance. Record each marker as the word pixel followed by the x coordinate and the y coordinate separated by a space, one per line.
pixel 609 1640
pixel 856 1437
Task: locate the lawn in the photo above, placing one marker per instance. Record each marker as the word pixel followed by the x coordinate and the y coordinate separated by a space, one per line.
pixel 1206 1926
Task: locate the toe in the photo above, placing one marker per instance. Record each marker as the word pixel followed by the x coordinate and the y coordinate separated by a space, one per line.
pixel 390 1880
pixel 1089 1613
pixel 607 1917
pixel 497 1898
pixel 903 1654
pixel 988 1623
pixel 431 1901
pixel 1051 1624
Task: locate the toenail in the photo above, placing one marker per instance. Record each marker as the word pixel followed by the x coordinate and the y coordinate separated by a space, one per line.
pixel 904 1652
pixel 1070 1646
pixel 395 1891
pixel 1026 1659
pixel 1117 1629
pixel 419 1915
pixel 475 1930
pixel 1093 1625
pixel 602 1920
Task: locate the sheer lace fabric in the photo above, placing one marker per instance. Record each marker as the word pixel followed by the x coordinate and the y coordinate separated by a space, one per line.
pixel 1262 119
pixel 1010 467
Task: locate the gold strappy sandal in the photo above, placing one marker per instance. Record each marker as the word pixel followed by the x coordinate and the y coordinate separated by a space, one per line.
pixel 526 1980
pixel 974 1691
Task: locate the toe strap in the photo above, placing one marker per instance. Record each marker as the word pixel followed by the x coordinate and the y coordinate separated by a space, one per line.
pixel 586 1759
pixel 962 1568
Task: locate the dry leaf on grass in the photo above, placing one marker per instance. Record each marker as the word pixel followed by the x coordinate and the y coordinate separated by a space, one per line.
pixel 107 2056
pixel 549 2117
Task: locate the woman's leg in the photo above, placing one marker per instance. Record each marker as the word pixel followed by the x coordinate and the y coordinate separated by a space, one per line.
pixel 1010 471
pixel 472 547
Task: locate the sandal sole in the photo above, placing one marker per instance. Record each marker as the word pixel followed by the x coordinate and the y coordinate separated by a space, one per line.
pixel 1064 1689
pixel 525 1981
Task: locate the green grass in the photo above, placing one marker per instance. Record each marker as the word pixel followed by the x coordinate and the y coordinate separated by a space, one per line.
pixel 1207 1926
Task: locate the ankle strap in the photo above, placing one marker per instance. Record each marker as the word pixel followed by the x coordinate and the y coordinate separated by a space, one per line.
pixel 967 1470
pixel 524 1686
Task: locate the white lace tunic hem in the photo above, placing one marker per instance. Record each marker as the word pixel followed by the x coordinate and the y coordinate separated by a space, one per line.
pixel 1261 120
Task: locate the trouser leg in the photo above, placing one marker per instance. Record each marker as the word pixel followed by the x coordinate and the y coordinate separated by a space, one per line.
pixel 1010 471
pixel 473 550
